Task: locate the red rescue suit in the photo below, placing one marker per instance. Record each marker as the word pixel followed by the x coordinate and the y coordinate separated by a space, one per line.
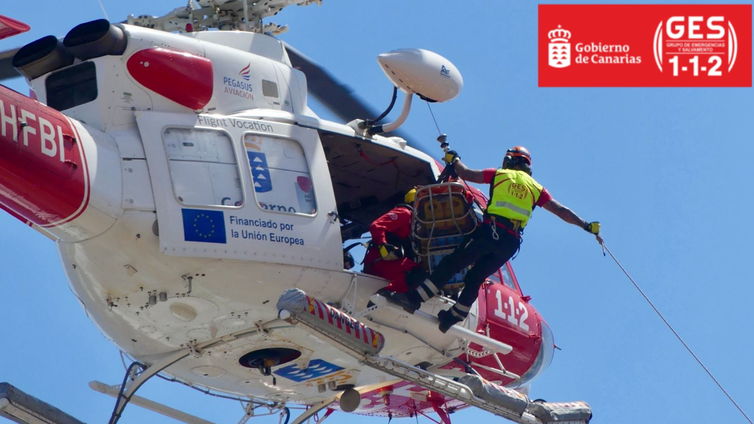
pixel 393 228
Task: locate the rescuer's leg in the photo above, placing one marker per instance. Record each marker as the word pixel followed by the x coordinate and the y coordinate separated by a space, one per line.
pixel 396 273
pixel 499 252
pixel 415 276
pixel 463 256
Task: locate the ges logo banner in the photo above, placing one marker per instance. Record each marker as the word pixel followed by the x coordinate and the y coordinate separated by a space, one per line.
pixel 644 46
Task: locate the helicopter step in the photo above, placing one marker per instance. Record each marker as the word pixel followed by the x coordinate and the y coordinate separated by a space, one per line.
pixel 363 343
pixel 490 344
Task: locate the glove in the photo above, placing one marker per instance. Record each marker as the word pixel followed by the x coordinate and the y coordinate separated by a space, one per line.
pixel 388 252
pixel 593 227
pixel 450 156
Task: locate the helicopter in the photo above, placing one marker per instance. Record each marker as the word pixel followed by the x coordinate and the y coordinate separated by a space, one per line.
pixel 163 257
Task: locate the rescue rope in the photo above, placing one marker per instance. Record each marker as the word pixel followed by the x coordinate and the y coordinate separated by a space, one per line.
pixel 699 361
pixel 433 118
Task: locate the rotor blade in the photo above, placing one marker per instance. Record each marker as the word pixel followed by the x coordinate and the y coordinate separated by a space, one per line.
pixel 336 96
pixel 10 27
pixel 6 65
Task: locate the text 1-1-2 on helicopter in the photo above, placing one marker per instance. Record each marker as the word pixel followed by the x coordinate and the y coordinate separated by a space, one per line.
pixel 200 209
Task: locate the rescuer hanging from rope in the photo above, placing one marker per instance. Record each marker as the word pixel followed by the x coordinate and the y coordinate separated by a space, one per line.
pixel 513 196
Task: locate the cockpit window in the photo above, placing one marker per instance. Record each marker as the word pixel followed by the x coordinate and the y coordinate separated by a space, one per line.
pixel 507 278
pixel 72 86
pixel 503 276
pixel 282 182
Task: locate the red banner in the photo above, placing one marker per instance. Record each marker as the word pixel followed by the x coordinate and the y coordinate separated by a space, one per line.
pixel 645 45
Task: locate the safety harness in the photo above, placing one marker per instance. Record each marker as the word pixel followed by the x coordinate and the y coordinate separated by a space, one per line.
pixel 513 197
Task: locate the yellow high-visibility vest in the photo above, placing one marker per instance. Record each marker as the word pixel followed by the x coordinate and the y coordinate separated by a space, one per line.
pixel 513 195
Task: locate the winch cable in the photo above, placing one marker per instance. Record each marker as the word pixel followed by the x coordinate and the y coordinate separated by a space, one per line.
pixel 104 12
pixel 433 118
pixel 699 361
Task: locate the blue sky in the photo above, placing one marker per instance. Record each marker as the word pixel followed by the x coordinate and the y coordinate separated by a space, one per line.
pixel 666 171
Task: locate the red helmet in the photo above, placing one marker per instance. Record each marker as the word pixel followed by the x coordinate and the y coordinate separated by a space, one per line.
pixel 519 152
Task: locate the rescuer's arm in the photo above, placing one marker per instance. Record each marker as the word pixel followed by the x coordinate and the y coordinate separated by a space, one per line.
pixel 471 175
pixel 570 217
pixel 389 223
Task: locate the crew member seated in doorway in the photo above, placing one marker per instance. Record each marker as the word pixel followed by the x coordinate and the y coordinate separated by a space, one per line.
pixel 513 196
pixel 390 254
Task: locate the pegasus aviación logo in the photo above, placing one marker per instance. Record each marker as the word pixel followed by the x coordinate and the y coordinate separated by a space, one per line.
pixel 559 52
pixel 245 72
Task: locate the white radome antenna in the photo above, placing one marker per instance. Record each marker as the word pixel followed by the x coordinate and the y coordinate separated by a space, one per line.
pixel 422 72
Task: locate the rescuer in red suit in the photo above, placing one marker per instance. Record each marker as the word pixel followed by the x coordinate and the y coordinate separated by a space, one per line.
pixel 390 255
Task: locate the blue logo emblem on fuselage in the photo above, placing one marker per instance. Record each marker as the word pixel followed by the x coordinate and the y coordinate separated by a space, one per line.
pixel 260 172
pixel 317 368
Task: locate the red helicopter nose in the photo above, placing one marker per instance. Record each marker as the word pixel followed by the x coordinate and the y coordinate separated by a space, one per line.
pixel 43 178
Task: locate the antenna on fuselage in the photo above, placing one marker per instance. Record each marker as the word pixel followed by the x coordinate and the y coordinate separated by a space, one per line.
pixel 415 71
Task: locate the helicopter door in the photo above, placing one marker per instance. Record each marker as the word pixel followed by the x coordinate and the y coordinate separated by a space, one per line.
pixel 235 188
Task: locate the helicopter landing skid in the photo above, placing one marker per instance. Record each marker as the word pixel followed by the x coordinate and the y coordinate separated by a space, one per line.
pixel 138 374
pixel 148 404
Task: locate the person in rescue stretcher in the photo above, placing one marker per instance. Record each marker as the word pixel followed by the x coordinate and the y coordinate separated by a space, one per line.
pixel 513 196
pixel 390 254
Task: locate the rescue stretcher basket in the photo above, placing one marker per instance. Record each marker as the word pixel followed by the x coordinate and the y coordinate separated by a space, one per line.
pixel 443 217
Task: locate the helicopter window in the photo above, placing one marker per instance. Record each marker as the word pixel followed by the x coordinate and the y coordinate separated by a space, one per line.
pixel 282 182
pixel 502 276
pixel 269 88
pixel 203 167
pixel 72 86
pixel 507 278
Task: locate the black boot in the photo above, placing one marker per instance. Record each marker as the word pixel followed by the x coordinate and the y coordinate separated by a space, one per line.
pixel 415 277
pixel 404 301
pixel 384 292
pixel 447 320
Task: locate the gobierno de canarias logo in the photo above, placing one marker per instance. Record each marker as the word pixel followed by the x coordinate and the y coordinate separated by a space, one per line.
pixel 590 52
pixel 559 50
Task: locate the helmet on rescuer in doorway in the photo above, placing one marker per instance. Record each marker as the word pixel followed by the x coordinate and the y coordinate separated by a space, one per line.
pixel 518 157
pixel 410 196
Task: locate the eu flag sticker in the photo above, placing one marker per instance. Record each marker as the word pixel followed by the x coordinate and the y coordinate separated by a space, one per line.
pixel 204 226
pixel 317 368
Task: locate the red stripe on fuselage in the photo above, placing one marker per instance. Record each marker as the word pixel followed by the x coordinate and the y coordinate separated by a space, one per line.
pixel 43 173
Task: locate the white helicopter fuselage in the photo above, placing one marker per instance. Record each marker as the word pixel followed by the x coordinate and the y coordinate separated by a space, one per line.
pixel 198 189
